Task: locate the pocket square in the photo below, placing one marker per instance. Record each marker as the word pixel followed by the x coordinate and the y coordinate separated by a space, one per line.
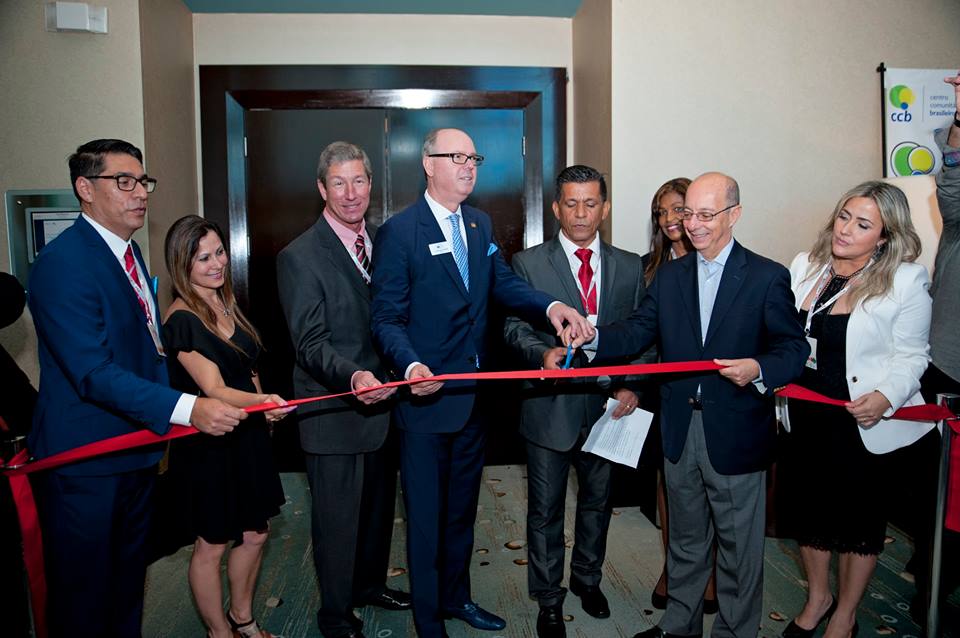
pixel 491 249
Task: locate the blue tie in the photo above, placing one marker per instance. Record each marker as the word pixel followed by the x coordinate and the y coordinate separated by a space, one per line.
pixel 459 249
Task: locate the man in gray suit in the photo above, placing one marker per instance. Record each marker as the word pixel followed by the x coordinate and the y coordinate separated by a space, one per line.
pixel 323 277
pixel 600 281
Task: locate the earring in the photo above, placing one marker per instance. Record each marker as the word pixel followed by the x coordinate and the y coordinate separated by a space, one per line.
pixel 879 250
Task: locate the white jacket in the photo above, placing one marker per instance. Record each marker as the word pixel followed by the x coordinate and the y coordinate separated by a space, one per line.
pixel 887 350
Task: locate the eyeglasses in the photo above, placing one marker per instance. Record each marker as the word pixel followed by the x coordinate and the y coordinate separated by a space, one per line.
pixel 662 212
pixel 460 158
pixel 129 182
pixel 686 213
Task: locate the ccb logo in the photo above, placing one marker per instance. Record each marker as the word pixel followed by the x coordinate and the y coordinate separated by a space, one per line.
pixel 910 158
pixel 901 97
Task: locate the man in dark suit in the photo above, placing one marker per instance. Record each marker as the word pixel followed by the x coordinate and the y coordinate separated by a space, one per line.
pixel 728 304
pixel 606 284
pixel 102 374
pixel 436 271
pixel 323 277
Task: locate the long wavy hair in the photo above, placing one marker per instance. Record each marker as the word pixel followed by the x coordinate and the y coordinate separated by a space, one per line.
pixel 902 242
pixel 659 242
pixel 180 250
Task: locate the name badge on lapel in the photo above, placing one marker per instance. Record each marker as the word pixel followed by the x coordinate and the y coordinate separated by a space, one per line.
pixel 440 248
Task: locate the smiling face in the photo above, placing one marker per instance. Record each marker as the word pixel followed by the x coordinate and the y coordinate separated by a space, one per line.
pixel 857 231
pixel 209 264
pixel 671 223
pixel 581 210
pixel 347 193
pixel 448 183
pixel 708 194
pixel 120 212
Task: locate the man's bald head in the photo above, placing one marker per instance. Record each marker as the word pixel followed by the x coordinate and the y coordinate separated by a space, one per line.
pixel 717 182
pixel 716 196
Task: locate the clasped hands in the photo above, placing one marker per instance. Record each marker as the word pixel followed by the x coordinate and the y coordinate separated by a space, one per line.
pixel 565 320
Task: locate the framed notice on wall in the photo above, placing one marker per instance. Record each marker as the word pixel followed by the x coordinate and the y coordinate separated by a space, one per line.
pixel 915 103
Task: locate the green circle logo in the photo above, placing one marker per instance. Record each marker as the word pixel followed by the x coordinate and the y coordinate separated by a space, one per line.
pixel 910 158
pixel 901 96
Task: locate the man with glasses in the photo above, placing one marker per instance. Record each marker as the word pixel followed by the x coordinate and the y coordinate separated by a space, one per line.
pixel 102 374
pixel 323 278
pixel 725 303
pixel 436 269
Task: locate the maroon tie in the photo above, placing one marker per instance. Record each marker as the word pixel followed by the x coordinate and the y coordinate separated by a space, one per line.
pixel 360 248
pixel 588 294
pixel 135 278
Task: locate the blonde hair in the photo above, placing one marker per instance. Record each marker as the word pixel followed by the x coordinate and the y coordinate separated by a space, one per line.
pixel 901 242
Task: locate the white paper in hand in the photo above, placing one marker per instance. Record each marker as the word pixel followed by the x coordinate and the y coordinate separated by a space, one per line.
pixel 621 440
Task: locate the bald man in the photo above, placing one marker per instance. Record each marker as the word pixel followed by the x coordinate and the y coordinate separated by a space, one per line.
pixel 735 307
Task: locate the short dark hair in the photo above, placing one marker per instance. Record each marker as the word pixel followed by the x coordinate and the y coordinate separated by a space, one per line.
pixel 580 174
pixel 88 158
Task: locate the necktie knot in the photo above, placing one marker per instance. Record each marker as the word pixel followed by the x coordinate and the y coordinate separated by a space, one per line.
pixel 583 254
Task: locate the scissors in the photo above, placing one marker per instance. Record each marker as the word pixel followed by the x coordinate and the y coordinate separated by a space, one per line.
pixel 569 359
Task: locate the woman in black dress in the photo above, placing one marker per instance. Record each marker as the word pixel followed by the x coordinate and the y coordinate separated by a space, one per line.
pixel 667 241
pixel 867 315
pixel 230 485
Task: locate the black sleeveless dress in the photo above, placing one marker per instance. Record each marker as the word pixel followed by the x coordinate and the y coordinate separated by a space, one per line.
pixel 225 484
pixel 834 489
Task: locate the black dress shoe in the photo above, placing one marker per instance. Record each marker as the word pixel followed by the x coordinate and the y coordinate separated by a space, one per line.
pixel 550 622
pixel 591 599
pixel 659 601
pixel 793 630
pixel 476 617
pixel 656 632
pixel 392 599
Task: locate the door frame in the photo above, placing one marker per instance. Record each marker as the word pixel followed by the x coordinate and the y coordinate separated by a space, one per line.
pixel 227 92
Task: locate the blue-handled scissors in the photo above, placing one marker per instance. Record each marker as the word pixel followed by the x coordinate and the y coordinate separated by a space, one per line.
pixel 569 359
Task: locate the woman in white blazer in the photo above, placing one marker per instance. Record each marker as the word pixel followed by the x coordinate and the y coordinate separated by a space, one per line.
pixel 866 310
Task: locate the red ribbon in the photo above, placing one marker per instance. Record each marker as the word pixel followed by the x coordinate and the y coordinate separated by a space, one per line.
pixel 27 510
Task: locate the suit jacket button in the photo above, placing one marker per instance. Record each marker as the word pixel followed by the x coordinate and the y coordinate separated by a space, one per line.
pixel 854 379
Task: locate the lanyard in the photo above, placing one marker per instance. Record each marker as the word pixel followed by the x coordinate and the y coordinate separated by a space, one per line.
pixel 356 262
pixel 821 284
pixel 144 297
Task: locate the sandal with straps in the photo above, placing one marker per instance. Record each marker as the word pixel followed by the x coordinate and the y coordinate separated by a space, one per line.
pixel 249 629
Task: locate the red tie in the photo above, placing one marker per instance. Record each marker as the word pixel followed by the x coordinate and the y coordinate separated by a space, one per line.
pixel 135 278
pixel 588 293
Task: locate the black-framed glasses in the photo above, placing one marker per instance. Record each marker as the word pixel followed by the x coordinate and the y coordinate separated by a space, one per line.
pixel 687 213
pixel 129 182
pixel 460 158
pixel 662 212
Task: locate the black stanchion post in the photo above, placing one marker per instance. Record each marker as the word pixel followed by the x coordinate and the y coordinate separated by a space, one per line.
pixel 952 403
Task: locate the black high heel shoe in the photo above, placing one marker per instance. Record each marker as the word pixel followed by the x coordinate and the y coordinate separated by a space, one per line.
pixel 793 630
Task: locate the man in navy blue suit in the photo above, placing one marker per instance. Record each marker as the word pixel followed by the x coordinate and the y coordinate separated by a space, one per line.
pixel 102 374
pixel 436 269
pixel 731 305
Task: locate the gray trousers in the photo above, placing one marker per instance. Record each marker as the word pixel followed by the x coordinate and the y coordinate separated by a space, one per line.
pixel 703 503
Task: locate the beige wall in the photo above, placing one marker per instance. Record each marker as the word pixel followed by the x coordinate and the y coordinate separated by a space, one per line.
pixel 60 90
pixel 592 91
pixel 166 36
pixel 781 95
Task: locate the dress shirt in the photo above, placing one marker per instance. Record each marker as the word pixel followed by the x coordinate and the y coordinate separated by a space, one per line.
pixel 348 237
pixel 570 249
pixel 709 274
pixel 118 246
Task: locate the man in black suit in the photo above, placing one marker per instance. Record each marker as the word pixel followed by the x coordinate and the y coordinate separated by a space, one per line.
pixel 606 284
pixel 323 277
pixel 735 307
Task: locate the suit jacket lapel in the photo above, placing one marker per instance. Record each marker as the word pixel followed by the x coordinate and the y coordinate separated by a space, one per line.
pixel 148 284
pixel 690 293
pixel 608 273
pixel 560 263
pixel 431 234
pixel 336 252
pixel 476 250
pixel 734 274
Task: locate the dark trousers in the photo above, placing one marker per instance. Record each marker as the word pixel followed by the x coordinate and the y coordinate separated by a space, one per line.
pixel 94 534
pixel 547 473
pixel 352 524
pixel 440 474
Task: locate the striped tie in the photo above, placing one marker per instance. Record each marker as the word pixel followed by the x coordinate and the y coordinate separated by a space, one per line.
pixel 135 278
pixel 459 249
pixel 360 248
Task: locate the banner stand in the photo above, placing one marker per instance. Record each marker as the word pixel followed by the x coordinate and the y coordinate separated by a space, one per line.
pixel 883 118
pixel 952 402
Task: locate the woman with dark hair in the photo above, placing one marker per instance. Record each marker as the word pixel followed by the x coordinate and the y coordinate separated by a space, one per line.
pixel 667 241
pixel 866 310
pixel 231 486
